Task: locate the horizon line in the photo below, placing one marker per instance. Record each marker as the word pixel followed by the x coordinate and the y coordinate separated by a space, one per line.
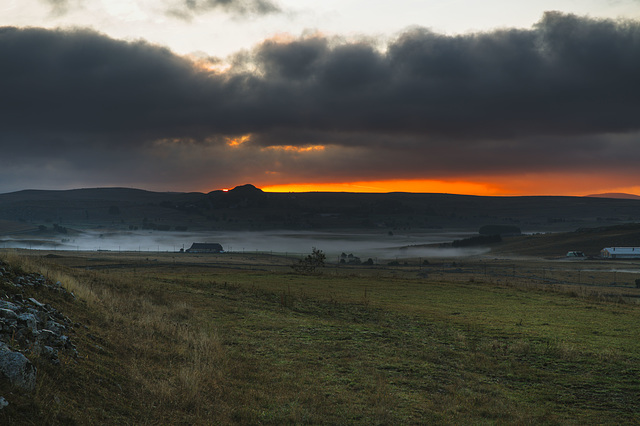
pixel 275 190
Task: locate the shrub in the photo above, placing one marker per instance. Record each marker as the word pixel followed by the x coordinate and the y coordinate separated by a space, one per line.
pixel 311 262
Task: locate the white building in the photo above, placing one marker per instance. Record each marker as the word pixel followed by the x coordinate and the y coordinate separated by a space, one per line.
pixel 620 253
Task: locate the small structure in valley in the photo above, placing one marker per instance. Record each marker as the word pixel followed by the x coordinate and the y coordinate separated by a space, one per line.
pixel 205 248
pixel 620 253
pixel 576 253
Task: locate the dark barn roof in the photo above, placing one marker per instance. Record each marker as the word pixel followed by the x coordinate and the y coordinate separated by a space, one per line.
pixel 210 247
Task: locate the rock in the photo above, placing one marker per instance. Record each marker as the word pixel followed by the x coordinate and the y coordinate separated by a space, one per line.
pixel 36 327
pixel 8 314
pixel 17 368
pixel 47 352
pixel 54 326
pixel 8 305
pixel 30 320
pixel 47 337
pixel 3 402
pixel 51 354
pixel 35 302
pixel 64 342
pixel 8 327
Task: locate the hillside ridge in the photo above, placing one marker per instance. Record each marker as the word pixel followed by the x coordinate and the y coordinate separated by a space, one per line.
pixel 246 207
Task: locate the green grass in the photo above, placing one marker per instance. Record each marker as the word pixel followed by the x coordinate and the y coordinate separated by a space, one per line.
pixel 200 343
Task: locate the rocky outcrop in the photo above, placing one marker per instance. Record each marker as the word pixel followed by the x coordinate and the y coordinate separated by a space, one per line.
pixel 29 328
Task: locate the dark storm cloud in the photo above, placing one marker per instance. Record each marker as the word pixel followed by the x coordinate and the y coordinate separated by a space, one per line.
pixel 564 94
pixel 566 76
pixel 187 9
pixel 80 82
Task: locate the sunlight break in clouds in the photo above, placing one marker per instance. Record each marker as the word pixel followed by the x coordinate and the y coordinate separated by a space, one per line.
pixel 235 142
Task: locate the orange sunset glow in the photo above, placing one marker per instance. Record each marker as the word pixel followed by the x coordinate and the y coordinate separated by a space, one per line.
pixel 300 149
pixel 236 142
pixel 556 185
pixel 424 186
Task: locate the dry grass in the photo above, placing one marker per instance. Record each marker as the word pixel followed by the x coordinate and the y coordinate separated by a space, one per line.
pixel 174 360
pixel 179 343
pixel 55 274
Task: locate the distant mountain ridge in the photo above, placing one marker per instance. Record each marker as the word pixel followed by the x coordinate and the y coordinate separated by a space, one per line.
pixel 618 195
pixel 248 208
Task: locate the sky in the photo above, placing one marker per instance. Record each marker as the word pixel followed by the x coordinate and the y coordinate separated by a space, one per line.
pixel 461 96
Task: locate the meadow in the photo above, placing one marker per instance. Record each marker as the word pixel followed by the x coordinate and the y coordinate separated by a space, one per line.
pixel 234 338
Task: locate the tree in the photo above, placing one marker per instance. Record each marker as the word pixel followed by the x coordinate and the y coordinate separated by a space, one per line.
pixel 311 262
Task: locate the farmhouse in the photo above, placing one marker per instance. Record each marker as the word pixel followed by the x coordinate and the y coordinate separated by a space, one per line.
pixel 620 253
pixel 205 248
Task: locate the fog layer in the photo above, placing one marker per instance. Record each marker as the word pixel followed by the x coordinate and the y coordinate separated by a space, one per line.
pixel 363 245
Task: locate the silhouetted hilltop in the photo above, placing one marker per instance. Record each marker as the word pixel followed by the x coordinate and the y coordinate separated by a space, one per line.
pixel 246 190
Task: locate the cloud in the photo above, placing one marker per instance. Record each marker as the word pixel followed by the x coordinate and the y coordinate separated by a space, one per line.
pixel 187 9
pixel 553 79
pixel 61 7
pixel 560 96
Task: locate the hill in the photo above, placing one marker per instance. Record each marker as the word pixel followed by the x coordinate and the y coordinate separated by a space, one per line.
pixel 248 208
pixel 588 240
pixel 616 195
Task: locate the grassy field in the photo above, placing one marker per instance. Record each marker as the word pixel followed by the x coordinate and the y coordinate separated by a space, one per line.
pixel 178 339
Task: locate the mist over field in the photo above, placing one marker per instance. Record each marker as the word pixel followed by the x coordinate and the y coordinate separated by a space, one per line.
pixel 362 244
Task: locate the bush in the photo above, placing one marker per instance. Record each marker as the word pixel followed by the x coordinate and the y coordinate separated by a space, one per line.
pixel 311 262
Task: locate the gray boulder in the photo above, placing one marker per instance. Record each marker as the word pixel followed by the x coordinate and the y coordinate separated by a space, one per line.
pixel 17 368
pixel 30 321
